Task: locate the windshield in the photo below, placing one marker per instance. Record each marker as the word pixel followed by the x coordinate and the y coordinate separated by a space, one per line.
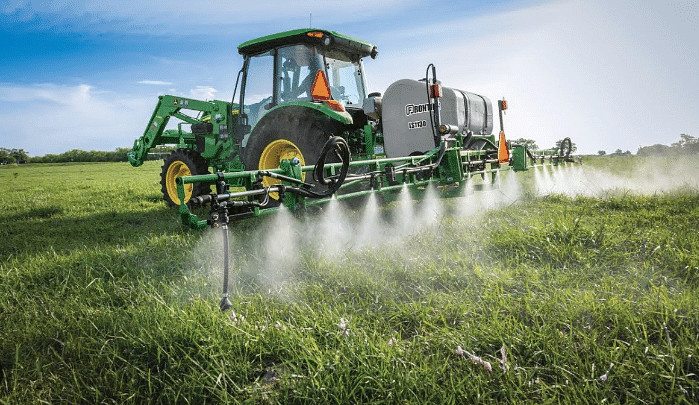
pixel 345 78
pixel 298 67
pixel 286 74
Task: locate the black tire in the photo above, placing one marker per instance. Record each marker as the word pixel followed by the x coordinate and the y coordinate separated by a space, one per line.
pixel 181 161
pixel 307 129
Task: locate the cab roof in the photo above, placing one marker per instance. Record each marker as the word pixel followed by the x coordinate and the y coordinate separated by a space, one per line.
pixel 308 36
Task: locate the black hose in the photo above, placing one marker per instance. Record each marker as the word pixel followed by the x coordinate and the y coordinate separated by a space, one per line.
pixel 429 98
pixel 565 148
pixel 442 151
pixel 531 156
pixel 339 147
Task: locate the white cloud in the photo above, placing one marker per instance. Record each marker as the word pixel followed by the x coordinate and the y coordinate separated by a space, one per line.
pixel 203 93
pixel 75 117
pixel 46 92
pixel 183 16
pixel 609 74
pixel 155 82
pixel 69 117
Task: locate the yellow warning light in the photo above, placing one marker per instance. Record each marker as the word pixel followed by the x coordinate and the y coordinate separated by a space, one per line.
pixel 320 90
pixel 315 34
pixel 503 104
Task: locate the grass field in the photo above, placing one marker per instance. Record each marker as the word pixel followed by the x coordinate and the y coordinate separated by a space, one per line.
pixel 104 298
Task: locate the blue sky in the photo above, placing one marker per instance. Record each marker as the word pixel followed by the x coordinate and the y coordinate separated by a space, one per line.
pixel 609 74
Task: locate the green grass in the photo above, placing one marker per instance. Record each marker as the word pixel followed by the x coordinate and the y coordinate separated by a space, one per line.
pixel 104 298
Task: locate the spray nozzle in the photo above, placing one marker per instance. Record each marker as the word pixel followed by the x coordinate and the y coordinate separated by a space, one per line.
pixel 224 304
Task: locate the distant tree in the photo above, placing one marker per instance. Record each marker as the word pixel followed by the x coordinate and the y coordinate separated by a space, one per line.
pixel 9 156
pixel 656 150
pixel 628 152
pixel 601 152
pixel 527 143
pixel 689 144
pixel 686 145
pixel 618 151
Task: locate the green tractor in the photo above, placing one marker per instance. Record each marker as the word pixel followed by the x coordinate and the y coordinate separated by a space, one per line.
pixel 297 88
pixel 303 120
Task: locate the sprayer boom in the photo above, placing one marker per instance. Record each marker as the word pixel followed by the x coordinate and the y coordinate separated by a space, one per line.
pixel 449 167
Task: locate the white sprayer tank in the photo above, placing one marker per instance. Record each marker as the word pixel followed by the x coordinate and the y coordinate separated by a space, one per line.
pixel 406 110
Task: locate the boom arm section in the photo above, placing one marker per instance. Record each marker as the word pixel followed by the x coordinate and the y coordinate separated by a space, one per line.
pixel 211 127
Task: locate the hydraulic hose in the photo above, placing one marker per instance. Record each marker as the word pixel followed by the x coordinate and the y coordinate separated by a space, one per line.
pixel 442 151
pixel 434 115
pixel 565 148
pixel 339 147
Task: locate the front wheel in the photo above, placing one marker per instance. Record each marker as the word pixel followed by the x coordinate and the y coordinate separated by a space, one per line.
pixel 182 162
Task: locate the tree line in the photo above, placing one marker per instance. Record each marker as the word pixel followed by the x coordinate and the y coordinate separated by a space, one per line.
pixel 687 145
pixel 9 156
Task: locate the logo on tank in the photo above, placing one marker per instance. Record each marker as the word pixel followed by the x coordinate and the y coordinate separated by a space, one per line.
pixel 412 109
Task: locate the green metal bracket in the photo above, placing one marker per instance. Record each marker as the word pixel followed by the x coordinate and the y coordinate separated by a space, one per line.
pixel 519 158
pixel 188 219
pixel 451 170
pixel 369 141
pixel 291 169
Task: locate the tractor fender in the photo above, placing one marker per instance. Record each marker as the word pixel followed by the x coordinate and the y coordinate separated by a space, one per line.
pixel 297 106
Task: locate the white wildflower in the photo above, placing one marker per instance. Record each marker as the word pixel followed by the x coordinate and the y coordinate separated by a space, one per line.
pixel 503 359
pixel 475 359
pixel 235 318
pixel 605 376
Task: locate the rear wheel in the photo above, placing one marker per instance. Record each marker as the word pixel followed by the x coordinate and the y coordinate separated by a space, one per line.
pixel 290 134
pixel 272 156
pixel 182 162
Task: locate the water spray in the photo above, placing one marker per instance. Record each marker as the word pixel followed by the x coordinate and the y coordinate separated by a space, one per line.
pixel 458 158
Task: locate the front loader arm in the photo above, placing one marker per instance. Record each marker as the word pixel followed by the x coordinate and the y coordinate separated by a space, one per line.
pixel 170 106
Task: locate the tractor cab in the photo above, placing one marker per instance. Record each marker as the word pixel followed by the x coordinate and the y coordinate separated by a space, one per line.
pixel 317 69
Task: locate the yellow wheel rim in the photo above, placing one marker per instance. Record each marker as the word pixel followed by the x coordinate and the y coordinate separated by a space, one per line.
pixel 175 170
pixel 272 157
